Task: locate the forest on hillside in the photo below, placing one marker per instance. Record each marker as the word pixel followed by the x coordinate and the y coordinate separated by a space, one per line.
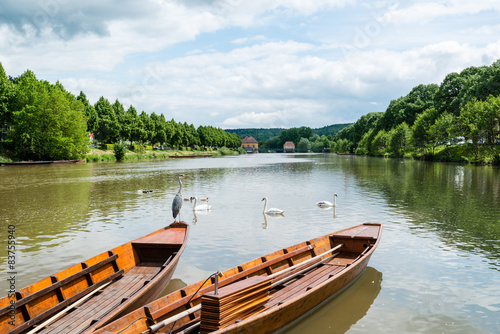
pixel 457 120
pixel 43 121
pixel 263 134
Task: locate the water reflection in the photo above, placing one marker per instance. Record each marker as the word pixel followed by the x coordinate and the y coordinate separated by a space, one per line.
pixel 439 251
pixel 340 313
pixel 461 203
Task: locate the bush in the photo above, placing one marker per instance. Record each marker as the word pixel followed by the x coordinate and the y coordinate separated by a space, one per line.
pixel 224 151
pixel 241 150
pixel 120 150
pixel 139 149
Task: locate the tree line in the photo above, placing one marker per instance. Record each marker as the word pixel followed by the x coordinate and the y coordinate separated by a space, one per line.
pixel 303 137
pixel 457 120
pixel 43 121
pixel 262 134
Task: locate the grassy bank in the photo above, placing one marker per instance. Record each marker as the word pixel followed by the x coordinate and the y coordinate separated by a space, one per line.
pixel 468 153
pixel 100 155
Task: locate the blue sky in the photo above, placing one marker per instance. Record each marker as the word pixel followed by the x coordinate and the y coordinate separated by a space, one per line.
pixel 239 64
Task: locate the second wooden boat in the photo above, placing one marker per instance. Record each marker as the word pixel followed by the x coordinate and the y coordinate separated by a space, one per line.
pixel 262 295
pixel 90 294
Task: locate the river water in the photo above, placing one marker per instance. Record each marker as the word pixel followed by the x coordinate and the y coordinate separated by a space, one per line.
pixel 436 270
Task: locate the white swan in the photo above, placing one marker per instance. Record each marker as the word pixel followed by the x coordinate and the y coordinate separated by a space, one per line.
pixel 201 207
pixel 271 211
pixel 326 204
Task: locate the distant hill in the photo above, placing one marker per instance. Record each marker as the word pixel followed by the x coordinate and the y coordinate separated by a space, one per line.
pixel 330 129
pixel 258 134
pixel 261 134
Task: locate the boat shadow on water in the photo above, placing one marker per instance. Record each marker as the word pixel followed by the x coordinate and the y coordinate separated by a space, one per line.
pixel 343 311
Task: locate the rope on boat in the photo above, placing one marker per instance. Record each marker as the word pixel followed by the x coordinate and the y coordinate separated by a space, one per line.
pixel 159 325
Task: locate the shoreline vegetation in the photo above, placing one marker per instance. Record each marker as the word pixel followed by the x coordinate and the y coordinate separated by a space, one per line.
pixel 456 121
pixel 96 155
pixel 106 155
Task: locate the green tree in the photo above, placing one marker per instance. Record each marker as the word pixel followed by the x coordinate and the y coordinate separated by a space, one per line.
pixel 121 116
pixel 398 140
pixel 6 94
pixel 120 150
pixel 407 108
pixel 420 135
pixel 442 130
pixel 148 126
pixel 378 145
pixel 48 122
pixel 108 130
pixel 134 125
pixel 90 113
pixel 303 145
pixel 160 135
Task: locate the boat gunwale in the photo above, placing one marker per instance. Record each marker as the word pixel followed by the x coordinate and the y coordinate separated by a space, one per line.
pixel 363 262
pixel 68 276
pixel 162 303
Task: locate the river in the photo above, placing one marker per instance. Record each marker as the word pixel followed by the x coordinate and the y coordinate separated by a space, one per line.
pixel 436 270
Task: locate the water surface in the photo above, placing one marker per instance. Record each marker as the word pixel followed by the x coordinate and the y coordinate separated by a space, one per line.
pixel 436 269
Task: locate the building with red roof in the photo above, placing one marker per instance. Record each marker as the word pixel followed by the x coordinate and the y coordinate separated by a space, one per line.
pixel 289 146
pixel 250 145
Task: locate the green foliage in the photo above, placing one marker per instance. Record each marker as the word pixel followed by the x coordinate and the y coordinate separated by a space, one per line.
pixel 47 122
pixel 241 150
pixel 139 148
pixel 398 140
pixel 379 143
pixel 258 134
pixel 120 150
pixel 6 94
pixel 304 145
pixel 294 134
pixel 225 151
pixel 330 130
pixel 343 146
pixel 466 104
pixel 108 129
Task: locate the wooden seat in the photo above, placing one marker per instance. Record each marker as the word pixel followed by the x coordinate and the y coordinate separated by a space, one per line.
pixel 104 302
pixel 57 289
pixel 172 237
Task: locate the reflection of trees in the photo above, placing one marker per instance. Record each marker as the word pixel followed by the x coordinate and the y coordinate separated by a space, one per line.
pixel 462 202
pixel 43 202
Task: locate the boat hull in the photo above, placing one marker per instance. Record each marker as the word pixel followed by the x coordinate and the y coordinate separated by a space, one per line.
pixel 88 295
pixel 303 276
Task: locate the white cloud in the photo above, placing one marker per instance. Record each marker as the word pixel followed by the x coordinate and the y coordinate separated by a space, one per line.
pixel 424 11
pixel 234 63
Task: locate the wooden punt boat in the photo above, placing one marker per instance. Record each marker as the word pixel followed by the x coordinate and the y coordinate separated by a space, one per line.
pixel 88 295
pixel 262 295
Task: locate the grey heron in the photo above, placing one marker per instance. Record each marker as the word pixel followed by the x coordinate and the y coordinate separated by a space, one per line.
pixel 271 211
pixel 177 202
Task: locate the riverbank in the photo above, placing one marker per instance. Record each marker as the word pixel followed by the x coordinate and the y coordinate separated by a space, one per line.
pixel 102 155
pixel 465 153
pixel 99 155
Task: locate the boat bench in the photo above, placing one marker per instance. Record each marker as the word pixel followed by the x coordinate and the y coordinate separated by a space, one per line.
pixel 22 302
pixel 266 264
pixel 152 248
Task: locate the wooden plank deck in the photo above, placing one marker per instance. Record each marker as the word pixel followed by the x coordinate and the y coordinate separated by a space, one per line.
pixel 302 283
pixel 78 319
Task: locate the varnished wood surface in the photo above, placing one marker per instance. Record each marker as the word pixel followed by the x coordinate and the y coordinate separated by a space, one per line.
pixel 135 280
pixel 286 302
